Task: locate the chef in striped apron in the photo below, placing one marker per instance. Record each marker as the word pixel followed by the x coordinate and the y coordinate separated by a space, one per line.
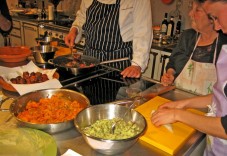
pixel 115 29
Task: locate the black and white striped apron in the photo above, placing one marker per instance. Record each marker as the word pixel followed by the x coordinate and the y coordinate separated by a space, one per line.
pixel 104 41
pixel 102 33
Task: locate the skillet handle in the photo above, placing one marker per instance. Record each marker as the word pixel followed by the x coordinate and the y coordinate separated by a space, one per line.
pixel 115 60
pixel 3 101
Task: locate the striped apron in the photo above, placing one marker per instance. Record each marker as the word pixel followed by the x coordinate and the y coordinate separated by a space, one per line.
pixel 104 42
pixel 103 37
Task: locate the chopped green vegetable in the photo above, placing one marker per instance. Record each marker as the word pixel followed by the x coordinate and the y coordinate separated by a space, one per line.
pixel 102 129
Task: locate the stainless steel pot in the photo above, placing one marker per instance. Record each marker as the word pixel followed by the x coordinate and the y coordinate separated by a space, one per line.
pixel 43 53
pixel 61 62
pixel 19 104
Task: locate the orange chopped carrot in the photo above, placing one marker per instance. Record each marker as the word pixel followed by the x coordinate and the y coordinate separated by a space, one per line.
pixel 51 110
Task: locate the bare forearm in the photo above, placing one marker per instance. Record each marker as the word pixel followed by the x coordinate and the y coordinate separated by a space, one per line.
pixel 205 124
pixel 198 102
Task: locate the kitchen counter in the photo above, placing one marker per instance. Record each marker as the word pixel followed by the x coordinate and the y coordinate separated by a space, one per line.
pixel 166 48
pixel 71 139
pixel 158 46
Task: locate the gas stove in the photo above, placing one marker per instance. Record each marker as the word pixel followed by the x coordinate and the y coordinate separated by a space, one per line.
pixel 102 85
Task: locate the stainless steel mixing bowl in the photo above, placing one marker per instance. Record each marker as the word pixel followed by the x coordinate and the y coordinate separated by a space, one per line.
pixel 108 111
pixel 20 103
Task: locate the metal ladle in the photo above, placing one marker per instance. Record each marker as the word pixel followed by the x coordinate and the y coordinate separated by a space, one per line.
pixel 128 111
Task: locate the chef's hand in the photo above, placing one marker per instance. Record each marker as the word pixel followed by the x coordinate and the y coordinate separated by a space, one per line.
pixel 132 72
pixel 70 37
pixel 164 116
pixel 168 78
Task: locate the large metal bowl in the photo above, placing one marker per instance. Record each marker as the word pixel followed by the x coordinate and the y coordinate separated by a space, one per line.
pixel 20 103
pixel 108 111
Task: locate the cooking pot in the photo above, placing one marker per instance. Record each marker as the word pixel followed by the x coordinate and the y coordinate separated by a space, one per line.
pixel 43 53
pixel 90 62
pixel 19 104
pixel 47 40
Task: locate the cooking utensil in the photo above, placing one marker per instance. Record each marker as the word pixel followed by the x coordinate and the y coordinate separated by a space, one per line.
pixel 19 104
pixel 144 96
pixel 126 113
pixel 45 40
pixel 108 111
pixel 71 50
pixel 90 62
pixel 43 53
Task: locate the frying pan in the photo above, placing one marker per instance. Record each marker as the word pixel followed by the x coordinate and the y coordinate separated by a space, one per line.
pixel 90 62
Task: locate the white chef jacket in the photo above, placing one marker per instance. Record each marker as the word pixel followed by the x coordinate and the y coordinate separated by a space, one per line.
pixel 135 24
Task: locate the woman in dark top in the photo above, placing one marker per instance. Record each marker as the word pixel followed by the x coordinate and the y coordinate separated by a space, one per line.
pixel 5 21
pixel 195 55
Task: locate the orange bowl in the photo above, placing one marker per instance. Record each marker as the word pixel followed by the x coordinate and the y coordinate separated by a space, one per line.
pixel 14 54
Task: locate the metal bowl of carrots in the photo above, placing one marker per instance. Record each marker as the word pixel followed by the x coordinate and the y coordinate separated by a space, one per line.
pixel 50 110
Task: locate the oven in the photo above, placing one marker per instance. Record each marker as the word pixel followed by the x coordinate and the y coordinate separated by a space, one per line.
pixel 58 31
pixel 103 84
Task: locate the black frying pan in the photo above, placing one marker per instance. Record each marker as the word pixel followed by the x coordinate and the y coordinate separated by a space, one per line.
pixel 90 63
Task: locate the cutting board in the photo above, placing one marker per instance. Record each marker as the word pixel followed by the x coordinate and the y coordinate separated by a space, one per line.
pixel 161 137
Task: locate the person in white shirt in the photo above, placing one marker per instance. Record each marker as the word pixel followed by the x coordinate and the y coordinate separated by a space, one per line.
pixel 115 29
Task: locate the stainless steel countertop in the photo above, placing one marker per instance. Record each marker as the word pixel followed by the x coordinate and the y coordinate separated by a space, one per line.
pixel 71 139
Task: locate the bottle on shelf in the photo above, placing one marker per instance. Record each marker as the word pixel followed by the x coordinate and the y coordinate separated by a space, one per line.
pixel 43 11
pixel 178 26
pixel 170 27
pixel 164 25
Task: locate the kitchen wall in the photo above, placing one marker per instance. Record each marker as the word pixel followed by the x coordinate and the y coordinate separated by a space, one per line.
pixel 158 9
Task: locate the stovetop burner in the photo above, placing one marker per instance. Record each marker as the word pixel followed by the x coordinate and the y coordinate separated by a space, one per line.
pixel 102 85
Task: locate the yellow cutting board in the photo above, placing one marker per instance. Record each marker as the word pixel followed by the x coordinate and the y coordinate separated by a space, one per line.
pixel 161 137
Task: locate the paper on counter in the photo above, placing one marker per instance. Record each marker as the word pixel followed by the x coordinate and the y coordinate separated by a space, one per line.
pixel 26 88
pixel 8 73
pixel 167 126
pixel 70 152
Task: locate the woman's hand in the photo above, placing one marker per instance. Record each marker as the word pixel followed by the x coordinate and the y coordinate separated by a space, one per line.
pixel 132 72
pixel 164 116
pixel 168 78
pixel 166 113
